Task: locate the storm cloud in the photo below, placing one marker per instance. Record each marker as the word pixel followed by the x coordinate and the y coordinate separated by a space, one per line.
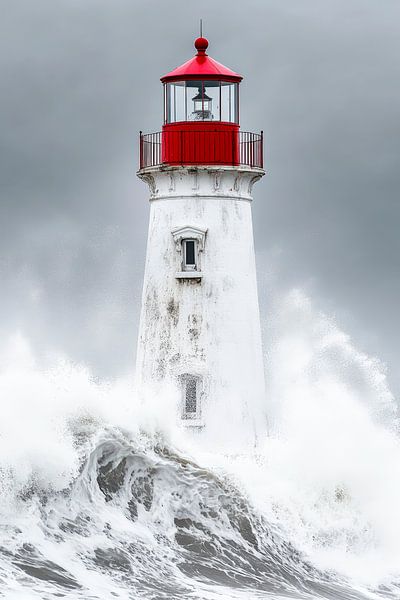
pixel 80 78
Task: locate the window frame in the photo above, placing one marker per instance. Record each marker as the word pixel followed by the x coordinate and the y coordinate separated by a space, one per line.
pixel 184 234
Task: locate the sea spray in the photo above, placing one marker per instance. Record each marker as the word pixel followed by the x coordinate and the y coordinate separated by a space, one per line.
pixel 104 496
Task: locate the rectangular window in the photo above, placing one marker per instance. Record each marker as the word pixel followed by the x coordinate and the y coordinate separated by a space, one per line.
pixel 191 395
pixel 230 102
pixel 189 255
pixel 175 101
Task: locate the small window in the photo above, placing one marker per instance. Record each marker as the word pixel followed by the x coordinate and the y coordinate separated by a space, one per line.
pixel 189 255
pixel 189 245
pixel 190 396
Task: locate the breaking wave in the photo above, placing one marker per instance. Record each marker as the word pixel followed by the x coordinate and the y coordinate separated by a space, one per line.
pixel 104 497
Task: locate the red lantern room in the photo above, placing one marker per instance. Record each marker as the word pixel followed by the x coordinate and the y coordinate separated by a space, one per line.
pixel 201 118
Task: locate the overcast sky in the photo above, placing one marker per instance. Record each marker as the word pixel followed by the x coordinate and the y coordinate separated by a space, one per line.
pixel 80 78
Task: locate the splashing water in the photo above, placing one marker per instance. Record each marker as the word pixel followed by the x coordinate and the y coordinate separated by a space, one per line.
pixel 104 497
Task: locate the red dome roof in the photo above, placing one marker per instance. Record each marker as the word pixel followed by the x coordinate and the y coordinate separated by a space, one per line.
pixel 201 66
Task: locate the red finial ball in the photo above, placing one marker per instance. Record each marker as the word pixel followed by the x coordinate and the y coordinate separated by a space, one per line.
pixel 201 45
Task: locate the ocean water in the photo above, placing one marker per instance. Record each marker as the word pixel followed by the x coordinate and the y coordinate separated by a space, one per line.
pixel 103 497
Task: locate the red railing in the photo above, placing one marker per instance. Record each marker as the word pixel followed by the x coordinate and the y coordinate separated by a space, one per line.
pixel 201 147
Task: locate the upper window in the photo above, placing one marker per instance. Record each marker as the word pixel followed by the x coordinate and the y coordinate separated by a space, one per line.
pixel 201 101
pixel 190 260
pixel 189 244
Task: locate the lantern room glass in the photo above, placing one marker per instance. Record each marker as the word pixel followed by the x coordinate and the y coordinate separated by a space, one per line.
pixel 201 101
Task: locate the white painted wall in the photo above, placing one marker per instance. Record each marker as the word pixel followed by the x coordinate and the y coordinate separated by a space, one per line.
pixel 210 328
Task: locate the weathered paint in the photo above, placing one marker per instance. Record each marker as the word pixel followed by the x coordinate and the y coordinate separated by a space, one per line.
pixel 208 326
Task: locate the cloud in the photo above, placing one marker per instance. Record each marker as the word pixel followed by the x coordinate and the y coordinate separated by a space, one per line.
pixel 80 79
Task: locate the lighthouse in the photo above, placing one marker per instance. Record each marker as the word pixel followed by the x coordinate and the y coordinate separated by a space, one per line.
pixel 199 331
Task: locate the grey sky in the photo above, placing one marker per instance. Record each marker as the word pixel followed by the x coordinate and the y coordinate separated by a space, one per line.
pixel 80 78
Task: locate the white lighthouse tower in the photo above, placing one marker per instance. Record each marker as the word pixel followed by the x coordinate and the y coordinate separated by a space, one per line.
pixel 200 324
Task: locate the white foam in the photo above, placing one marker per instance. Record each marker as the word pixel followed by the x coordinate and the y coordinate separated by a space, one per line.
pixel 328 475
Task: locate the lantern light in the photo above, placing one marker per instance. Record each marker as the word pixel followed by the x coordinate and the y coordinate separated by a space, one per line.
pixel 202 110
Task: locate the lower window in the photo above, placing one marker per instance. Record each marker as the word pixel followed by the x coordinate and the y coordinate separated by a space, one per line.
pixel 190 396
